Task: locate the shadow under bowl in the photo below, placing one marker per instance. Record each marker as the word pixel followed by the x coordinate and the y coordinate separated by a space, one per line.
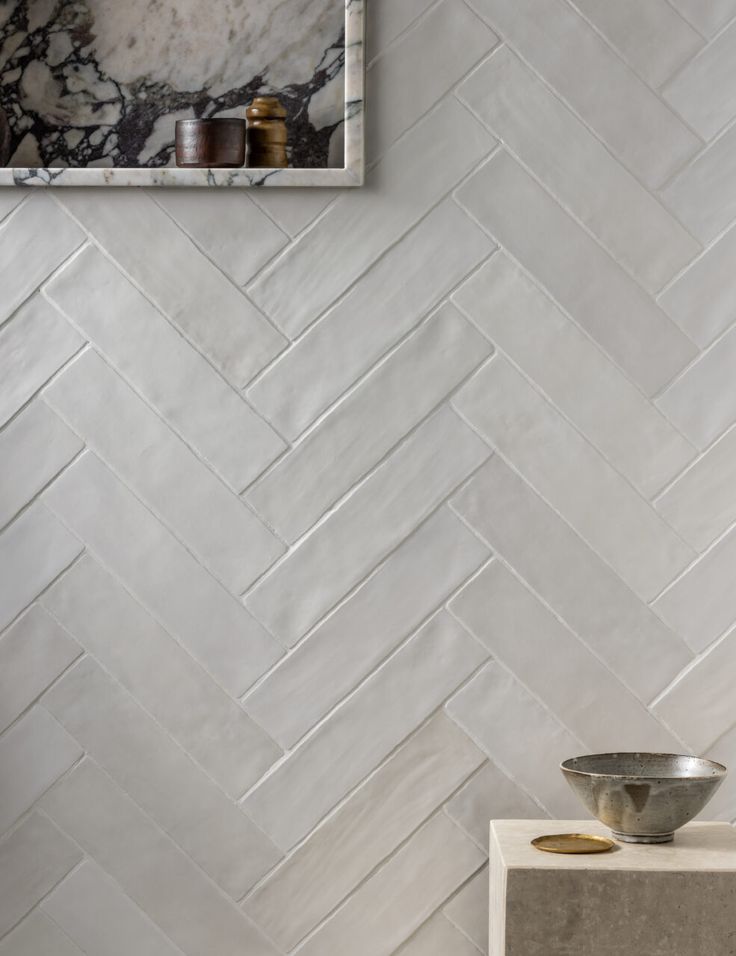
pixel 643 797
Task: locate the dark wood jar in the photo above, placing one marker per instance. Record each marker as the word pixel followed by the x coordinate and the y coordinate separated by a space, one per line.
pixel 216 143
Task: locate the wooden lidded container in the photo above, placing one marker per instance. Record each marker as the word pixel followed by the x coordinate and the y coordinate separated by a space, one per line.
pixel 266 134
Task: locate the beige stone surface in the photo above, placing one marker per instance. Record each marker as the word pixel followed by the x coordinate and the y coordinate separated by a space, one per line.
pixel 675 899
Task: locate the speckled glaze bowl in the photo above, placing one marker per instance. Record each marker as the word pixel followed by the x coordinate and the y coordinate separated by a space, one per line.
pixel 643 797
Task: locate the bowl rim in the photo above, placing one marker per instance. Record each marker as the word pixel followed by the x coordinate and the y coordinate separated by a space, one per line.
pixel 721 769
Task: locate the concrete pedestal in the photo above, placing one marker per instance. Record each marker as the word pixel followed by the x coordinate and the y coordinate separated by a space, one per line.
pixel 674 899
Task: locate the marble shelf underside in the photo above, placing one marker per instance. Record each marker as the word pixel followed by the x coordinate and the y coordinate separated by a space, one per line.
pixel 320 122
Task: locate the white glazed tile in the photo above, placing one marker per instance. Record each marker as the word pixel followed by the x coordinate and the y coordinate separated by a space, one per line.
pixel 576 687
pixel 468 910
pixel 33 858
pixel 384 305
pixel 139 756
pixel 133 544
pixel 489 795
pixel 373 520
pixel 723 805
pixel 422 572
pixel 702 604
pixel 33 449
pixel 572 476
pixel 702 402
pixel 93 910
pixel 342 751
pixel 438 937
pixel 703 300
pixel 37 935
pixel 293 209
pixel 497 712
pixel 171 375
pixel 159 673
pixel 179 279
pixel 700 505
pixel 650 36
pixel 577 168
pixel 165 883
pixel 607 303
pixel 9 199
pixel 223 534
pixel 703 194
pixel 33 652
pixel 33 244
pixel 368 423
pixel 393 903
pixel 575 375
pixel 703 91
pixel 33 346
pixel 230 229
pixel 699 706
pixel 413 175
pixel 371 824
pixel 387 20
pixel 34 549
pixel 415 72
pixel 34 753
pixel 706 17
pixel 597 606
pixel 572 58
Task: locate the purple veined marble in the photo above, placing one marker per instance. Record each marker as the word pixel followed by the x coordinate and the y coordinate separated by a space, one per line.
pixel 93 89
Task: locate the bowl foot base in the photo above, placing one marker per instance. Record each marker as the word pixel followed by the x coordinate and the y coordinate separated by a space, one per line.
pixel 643 837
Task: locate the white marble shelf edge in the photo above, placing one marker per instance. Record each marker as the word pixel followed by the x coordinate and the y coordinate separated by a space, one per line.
pixel 170 176
pixel 350 175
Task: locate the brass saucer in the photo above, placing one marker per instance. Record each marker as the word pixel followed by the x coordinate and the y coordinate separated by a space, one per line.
pixel 572 843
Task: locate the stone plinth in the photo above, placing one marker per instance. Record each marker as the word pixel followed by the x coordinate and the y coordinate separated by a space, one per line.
pixel 675 899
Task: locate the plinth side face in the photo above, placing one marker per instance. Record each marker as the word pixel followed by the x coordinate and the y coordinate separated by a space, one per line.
pixel 619 913
pixel 678 899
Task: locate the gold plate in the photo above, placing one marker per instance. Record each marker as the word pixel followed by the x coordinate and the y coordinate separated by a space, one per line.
pixel 572 843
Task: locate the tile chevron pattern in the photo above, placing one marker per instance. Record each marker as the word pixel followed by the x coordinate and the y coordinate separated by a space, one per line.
pixel 330 522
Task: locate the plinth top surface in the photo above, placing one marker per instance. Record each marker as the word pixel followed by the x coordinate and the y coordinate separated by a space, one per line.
pixel 699 847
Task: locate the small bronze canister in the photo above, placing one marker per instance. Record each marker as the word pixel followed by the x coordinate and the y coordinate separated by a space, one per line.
pixel 215 143
pixel 266 133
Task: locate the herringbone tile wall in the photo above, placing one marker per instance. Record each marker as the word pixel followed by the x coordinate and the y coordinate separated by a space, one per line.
pixel 331 522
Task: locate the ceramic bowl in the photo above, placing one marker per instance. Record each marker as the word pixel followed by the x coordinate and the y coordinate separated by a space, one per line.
pixel 643 797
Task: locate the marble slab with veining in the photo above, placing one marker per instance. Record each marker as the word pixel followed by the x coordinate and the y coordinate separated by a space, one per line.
pixel 93 89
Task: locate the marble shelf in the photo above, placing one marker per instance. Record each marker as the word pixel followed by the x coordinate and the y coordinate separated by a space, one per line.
pixel 84 103
pixel 672 899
